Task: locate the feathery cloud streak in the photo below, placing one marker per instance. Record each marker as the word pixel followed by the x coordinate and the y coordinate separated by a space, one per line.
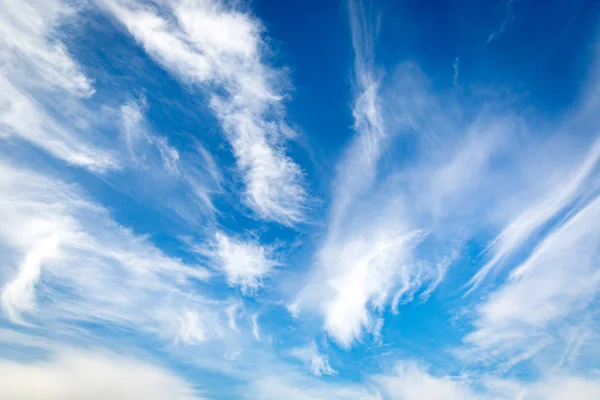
pixel 213 46
pixel 367 261
pixel 41 84
pixel 76 374
pixel 60 246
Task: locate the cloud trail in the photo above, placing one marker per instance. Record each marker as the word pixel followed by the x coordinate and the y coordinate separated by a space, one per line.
pixel 213 46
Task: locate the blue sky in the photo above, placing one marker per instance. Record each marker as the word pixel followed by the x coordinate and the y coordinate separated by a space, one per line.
pixel 204 199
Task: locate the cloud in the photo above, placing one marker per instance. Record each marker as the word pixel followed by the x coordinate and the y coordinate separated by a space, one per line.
pixel 77 374
pixel 552 287
pixel 41 84
pixel 363 273
pixel 357 170
pixel 508 17
pixel 31 41
pixel 244 93
pixel 563 388
pixel 455 68
pixel 352 268
pixel 398 221
pixel 138 140
pixel 367 261
pixel 533 219
pixel 245 264
pixel 48 102
pixel 425 172
pixel 188 179
pixel 65 259
pixel 293 387
pixel 198 326
pixel 314 361
pixel 234 312
pixel 255 328
pixel 410 381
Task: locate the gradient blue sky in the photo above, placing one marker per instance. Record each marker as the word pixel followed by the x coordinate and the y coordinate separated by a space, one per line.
pixel 378 200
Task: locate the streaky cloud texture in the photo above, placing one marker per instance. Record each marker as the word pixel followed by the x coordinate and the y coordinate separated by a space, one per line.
pixel 260 200
pixel 214 46
pixel 76 374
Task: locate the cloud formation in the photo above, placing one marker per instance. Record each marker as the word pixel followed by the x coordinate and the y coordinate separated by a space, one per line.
pixel 41 84
pixel 555 283
pixel 314 361
pixel 452 252
pixel 213 46
pixel 76 374
pixel 245 264
pixel 50 230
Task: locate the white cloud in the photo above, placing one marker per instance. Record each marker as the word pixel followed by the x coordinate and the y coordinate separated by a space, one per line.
pixel 88 268
pixel 462 179
pixel 255 328
pixel 46 101
pixel 409 381
pixel 138 139
pixel 41 84
pixel 244 93
pixel 234 312
pixel 354 268
pixel 198 326
pixel 366 271
pixel 552 387
pixel 366 266
pixel 29 43
pixel 577 337
pixel 368 119
pixel 358 168
pixel 367 259
pixel 19 294
pixel 77 374
pixel 508 16
pixel 531 220
pixel 187 179
pixel 292 387
pixel 455 68
pixel 563 388
pixel 314 361
pixel 66 262
pixel 553 286
pixel 244 263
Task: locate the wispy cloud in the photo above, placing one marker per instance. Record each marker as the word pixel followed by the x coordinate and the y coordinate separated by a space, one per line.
pixel 255 328
pixel 553 285
pixel 456 69
pixel 507 15
pixel 438 182
pixel 367 262
pixel 50 231
pixel 48 102
pixel 40 84
pixel 314 361
pixel 297 387
pixel 187 179
pixel 354 270
pixel 78 374
pixel 244 263
pixel 410 381
pixel 530 221
pixel 244 92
